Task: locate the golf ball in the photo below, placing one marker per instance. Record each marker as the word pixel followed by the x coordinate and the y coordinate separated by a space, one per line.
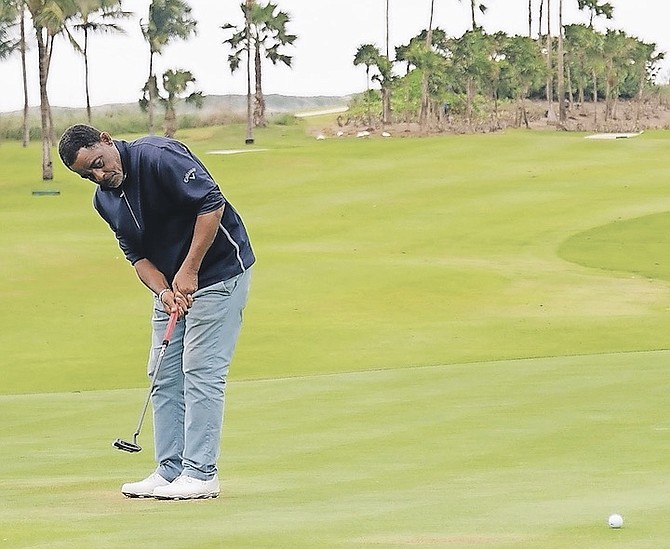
pixel 615 521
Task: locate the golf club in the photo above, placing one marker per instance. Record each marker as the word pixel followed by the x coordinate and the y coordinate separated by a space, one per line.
pixel 133 447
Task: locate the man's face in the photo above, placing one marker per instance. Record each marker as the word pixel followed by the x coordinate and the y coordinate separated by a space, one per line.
pixel 100 163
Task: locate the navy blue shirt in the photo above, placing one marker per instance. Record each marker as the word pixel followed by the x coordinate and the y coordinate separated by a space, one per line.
pixel 153 212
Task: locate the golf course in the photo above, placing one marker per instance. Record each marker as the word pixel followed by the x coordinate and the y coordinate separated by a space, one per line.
pixel 451 341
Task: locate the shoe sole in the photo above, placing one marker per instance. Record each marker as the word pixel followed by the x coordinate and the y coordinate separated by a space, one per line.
pixel 184 498
pixel 136 496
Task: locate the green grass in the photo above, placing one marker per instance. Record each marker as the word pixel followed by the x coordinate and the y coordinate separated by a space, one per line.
pixel 452 341
pixel 533 454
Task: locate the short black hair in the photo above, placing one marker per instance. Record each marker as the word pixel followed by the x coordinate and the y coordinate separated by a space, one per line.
pixel 75 138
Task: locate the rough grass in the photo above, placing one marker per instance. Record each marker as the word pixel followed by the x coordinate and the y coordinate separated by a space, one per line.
pixel 451 341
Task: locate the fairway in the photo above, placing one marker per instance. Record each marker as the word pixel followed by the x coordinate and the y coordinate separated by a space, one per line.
pixel 453 341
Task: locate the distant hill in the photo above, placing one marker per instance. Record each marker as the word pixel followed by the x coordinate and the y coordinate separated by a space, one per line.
pixel 120 118
pixel 215 103
pixel 273 103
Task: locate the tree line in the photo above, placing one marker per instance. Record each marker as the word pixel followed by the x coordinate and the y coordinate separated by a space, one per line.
pixel 441 75
pixel 261 35
pixel 427 79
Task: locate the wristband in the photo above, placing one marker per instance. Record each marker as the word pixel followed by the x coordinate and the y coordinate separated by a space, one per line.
pixel 162 292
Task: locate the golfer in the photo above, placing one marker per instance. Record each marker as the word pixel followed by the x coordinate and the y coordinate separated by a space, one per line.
pixel 189 246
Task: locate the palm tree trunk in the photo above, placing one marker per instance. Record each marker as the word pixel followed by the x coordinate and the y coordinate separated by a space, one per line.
pixel 170 120
pixel 423 114
pixel 640 96
pixel 367 94
pixel 25 129
pixel 608 95
pixel 150 93
pixel 386 104
pixel 259 107
pixel 562 113
pixel 86 79
pixel 47 166
pixel 550 68
pixel 250 117
pixel 387 29
pixel 530 18
pixel 568 76
pixel 595 97
pixel 386 93
pixel 52 127
pixel 469 99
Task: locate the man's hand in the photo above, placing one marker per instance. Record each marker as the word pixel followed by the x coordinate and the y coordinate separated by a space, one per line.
pixel 184 285
pixel 185 282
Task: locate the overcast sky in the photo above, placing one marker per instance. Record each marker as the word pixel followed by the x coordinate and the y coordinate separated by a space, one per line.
pixel 329 32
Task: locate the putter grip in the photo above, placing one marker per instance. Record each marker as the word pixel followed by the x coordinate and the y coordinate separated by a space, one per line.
pixel 170 327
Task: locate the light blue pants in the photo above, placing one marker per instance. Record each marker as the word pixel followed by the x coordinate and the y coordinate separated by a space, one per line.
pixel 189 393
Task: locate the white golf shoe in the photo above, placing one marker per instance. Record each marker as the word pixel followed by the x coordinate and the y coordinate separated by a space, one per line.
pixel 185 487
pixel 144 488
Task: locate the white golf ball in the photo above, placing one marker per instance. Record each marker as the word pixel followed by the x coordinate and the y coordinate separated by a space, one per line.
pixel 615 521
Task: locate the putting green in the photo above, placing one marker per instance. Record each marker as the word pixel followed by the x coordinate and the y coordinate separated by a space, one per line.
pixel 528 453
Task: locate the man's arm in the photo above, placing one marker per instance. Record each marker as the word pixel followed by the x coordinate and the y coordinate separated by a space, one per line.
pixel 185 282
pixel 155 280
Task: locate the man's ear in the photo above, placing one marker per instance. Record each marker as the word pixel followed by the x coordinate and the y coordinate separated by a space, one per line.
pixel 106 138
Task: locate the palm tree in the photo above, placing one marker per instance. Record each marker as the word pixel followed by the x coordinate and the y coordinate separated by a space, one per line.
pixel 523 68
pixel 617 50
pixel 168 20
pixel 266 30
pixel 49 18
pixel 12 11
pixel 386 69
pixel 596 9
pixel 595 49
pixel 8 15
pixel 248 8
pixel 176 83
pixel 385 79
pixel 577 38
pixel 270 35
pixel 370 56
pixel 562 113
pixel 367 55
pixel 240 44
pixel 423 114
pixel 473 63
pixel 25 130
pixel 429 63
pixel 387 28
pixel 550 64
pixel 644 60
pixel 94 15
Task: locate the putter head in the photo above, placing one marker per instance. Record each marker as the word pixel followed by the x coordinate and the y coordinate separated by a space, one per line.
pixel 126 446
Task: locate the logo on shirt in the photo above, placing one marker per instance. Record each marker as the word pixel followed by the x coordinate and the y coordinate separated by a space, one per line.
pixel 189 175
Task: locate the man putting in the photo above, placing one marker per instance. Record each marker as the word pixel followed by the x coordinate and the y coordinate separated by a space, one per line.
pixel 189 246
